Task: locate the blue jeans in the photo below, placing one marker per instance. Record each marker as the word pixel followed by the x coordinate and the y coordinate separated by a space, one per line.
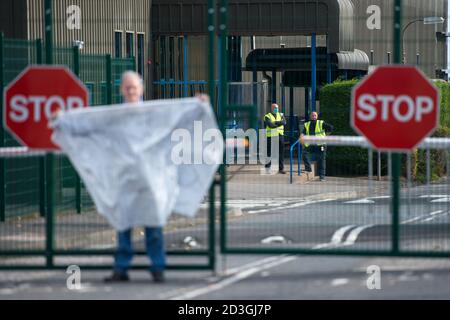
pixel 320 153
pixel 154 242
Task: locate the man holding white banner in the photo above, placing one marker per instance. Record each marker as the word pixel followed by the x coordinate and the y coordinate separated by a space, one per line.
pixel 124 156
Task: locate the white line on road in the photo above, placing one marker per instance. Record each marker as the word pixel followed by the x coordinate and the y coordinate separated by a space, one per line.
pixel 434 196
pixel 360 201
pixel 354 234
pixel 446 199
pixel 339 282
pixel 380 197
pixel 423 217
pixel 227 272
pixel 233 279
pixel 336 238
pixel 231 271
pixel 291 206
pixel 412 219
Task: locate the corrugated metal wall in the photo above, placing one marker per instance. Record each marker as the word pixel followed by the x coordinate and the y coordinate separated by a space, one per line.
pixel 419 38
pixel 13 18
pixel 99 21
pixel 101 17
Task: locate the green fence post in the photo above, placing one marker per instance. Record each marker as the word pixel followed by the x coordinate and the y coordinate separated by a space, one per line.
pixel 42 186
pixel 109 84
pixel 2 135
pixel 211 92
pixel 396 156
pixel 50 227
pixel 49 157
pixel 48 32
pixel 40 60
pixel 134 64
pixel 223 115
pixel 76 70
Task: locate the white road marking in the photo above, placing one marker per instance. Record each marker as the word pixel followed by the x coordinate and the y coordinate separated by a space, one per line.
pixel 360 201
pixel 274 239
pixel 339 234
pixel 27 237
pixel 411 220
pixel 227 272
pixel 339 282
pixel 336 238
pixel 249 265
pixel 423 218
pixel 291 206
pixel 233 279
pixel 380 197
pixel 245 204
pixel 446 199
pixel 434 196
pixel 354 234
pixel 368 200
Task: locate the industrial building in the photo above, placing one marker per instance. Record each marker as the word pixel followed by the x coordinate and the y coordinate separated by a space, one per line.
pixel 269 42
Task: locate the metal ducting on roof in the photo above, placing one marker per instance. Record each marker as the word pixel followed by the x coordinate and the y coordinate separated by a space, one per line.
pixel 334 18
pixel 356 60
pixel 299 59
pixel 295 63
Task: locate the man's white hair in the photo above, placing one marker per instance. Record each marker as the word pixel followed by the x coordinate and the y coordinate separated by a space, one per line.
pixel 133 74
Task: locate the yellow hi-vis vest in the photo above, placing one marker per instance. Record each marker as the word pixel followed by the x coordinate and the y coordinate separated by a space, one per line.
pixel 319 132
pixel 275 132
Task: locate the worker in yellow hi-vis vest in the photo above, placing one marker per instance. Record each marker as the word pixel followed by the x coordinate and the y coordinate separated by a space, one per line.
pixel 274 123
pixel 319 128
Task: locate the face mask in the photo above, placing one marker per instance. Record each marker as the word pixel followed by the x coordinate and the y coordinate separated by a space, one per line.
pixel 275 110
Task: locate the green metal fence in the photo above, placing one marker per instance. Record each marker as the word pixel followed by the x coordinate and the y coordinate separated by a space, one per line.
pixel 270 213
pixel 46 214
pixel 351 213
pixel 75 229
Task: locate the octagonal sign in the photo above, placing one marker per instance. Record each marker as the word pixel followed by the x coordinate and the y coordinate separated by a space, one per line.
pixel 395 108
pixel 32 98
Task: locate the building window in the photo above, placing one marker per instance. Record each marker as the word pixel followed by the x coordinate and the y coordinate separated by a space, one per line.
pixel 118 44
pixel 140 53
pixel 130 44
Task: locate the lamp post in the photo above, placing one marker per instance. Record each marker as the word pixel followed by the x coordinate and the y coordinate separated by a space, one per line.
pixel 426 21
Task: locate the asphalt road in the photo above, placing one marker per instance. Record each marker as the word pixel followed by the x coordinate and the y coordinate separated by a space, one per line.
pixel 360 223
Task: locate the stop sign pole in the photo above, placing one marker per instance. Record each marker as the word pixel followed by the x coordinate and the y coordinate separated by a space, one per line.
pixel 49 158
pixel 396 157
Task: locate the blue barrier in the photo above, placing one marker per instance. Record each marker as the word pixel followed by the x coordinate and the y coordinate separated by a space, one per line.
pixel 291 153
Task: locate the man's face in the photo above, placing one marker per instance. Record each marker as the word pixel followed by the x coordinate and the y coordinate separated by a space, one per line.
pixel 131 89
pixel 314 116
pixel 274 106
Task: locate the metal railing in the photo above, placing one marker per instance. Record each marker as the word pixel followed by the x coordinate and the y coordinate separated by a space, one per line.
pixel 291 161
pixel 351 213
pixel 33 225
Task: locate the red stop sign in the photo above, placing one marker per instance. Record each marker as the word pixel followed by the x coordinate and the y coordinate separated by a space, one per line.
pixel 33 96
pixel 395 107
